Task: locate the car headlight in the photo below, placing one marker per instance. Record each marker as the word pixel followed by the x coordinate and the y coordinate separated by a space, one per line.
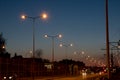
pixel 10 77
pixel 4 77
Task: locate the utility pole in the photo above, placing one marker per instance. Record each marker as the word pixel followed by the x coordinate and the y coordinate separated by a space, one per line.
pixel 107 42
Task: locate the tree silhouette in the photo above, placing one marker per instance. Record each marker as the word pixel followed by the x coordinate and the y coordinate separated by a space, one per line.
pixel 2 44
pixel 38 53
pixel 79 63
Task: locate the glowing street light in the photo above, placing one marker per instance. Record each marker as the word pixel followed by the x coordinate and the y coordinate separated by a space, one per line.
pixel 42 16
pixel 23 17
pixel 53 37
pixel 66 46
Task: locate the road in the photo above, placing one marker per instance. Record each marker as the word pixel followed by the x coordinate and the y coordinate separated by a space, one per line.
pixel 90 77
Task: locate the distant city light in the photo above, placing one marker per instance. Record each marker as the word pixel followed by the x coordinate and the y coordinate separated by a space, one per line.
pixel 3 47
pixel 71 44
pixel 75 53
pixel 83 52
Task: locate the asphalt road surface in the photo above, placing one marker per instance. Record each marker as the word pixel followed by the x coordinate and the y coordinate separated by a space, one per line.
pixel 85 77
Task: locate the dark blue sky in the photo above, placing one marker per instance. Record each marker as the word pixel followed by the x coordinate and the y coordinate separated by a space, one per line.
pixel 81 22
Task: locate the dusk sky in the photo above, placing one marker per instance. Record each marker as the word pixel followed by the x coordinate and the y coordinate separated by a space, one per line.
pixel 81 22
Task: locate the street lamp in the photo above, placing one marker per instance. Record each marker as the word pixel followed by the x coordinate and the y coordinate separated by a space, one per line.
pixel 42 16
pixel 66 46
pixel 53 37
pixel 79 53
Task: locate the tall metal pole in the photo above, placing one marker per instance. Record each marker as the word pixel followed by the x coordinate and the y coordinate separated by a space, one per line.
pixel 44 16
pixel 33 46
pixel 33 37
pixel 52 49
pixel 66 48
pixel 107 42
pixel 66 55
pixel 52 55
pixel 53 37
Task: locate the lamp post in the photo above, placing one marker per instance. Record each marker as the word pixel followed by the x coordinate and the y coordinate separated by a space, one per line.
pixel 53 37
pixel 78 53
pixel 66 47
pixel 43 16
